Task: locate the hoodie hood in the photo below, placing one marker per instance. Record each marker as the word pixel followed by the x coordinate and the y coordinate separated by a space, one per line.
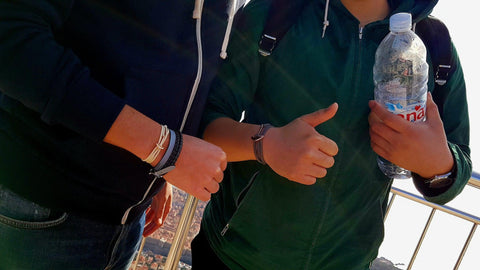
pixel 420 9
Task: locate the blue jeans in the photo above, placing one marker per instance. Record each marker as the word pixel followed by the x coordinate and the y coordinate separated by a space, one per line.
pixel 34 237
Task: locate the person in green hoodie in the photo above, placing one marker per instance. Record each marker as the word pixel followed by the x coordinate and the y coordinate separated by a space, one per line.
pixel 305 192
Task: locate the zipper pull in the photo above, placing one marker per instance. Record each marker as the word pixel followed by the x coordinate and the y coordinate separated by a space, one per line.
pixel 225 229
pixel 360 32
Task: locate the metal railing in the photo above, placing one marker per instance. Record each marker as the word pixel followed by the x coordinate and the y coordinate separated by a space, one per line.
pixel 188 212
pixel 474 182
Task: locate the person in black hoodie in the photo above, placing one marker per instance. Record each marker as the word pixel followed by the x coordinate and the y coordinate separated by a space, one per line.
pixel 94 98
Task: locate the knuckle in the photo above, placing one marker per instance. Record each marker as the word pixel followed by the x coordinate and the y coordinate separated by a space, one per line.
pixel 216 188
pixel 376 128
pixel 329 162
pixel 388 155
pixel 220 178
pixel 197 191
pixel 309 180
pixel 309 154
pixel 335 149
pixel 205 198
pixel 223 156
pixel 313 138
pixel 290 176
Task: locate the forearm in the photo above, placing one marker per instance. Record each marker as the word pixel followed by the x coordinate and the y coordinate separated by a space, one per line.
pixel 233 137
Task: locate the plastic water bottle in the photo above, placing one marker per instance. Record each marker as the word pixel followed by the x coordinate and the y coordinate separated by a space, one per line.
pixel 400 75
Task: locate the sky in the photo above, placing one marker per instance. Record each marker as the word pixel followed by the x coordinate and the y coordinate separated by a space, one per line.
pixel 406 220
pixel 459 19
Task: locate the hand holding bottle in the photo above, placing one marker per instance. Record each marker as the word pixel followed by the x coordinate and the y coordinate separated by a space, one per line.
pixel 420 147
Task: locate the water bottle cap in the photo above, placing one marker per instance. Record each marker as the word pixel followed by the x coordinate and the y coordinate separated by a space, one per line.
pixel 401 22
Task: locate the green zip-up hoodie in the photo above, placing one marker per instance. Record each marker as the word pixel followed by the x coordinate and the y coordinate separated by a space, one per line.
pixel 260 220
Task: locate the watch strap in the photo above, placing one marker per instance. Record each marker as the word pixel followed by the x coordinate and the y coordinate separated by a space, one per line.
pixel 258 142
pixel 436 185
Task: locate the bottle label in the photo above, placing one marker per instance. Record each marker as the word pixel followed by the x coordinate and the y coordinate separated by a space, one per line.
pixel 412 112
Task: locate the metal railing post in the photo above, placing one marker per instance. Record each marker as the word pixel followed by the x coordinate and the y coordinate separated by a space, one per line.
pixel 181 234
pixel 139 253
pixel 389 206
pixel 465 247
pixel 474 182
pixel 420 241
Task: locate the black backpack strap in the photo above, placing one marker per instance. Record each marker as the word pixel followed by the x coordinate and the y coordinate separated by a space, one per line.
pixel 281 16
pixel 436 37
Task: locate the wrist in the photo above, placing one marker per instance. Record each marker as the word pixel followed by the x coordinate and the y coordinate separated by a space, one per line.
pixel 257 140
pixel 169 159
pixel 443 167
pixel 438 181
pixel 134 132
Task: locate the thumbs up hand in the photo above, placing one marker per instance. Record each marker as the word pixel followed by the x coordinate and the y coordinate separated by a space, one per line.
pixel 297 151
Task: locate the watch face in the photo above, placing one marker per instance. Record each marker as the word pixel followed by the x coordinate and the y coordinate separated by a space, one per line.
pixel 441 182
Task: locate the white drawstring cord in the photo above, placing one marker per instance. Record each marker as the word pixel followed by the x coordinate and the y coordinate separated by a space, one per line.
pixel 325 18
pixel 226 38
pixel 197 10
pixel 197 14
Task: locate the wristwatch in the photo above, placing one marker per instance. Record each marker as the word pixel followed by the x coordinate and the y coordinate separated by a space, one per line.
pixel 257 142
pixel 438 181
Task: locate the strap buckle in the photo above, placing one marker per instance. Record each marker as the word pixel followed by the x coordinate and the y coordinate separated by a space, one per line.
pixel 442 74
pixel 266 45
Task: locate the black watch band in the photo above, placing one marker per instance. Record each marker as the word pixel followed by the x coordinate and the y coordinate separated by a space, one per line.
pixel 436 185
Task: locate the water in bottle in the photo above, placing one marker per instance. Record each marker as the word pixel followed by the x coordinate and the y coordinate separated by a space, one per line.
pixel 400 75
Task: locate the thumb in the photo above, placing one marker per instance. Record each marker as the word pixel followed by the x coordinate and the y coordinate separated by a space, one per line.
pixel 316 118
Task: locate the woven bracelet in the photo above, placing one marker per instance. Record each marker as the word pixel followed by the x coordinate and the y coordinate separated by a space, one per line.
pixel 163 168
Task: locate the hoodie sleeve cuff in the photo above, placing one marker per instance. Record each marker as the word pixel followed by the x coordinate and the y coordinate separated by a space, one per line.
pixel 86 107
pixel 433 189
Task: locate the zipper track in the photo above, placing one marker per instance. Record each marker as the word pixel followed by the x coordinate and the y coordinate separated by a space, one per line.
pixel 127 212
pixel 359 62
pixel 237 203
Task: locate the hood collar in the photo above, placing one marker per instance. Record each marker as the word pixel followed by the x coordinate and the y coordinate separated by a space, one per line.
pixel 420 9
